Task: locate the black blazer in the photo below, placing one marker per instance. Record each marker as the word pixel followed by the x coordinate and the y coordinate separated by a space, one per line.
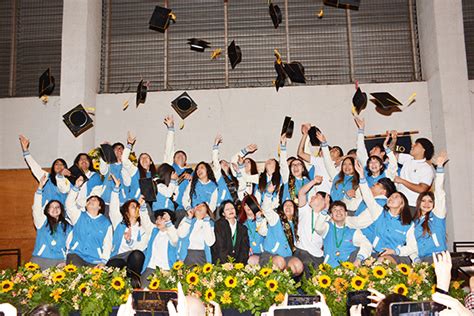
pixel 222 248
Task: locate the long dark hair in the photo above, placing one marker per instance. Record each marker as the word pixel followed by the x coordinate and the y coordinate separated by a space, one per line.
pixel 78 157
pixel 232 184
pixel 52 174
pixel 194 180
pixel 164 172
pixel 124 212
pixel 286 223
pixel 52 223
pixel 253 166
pixel 292 179
pixel 380 161
pixel 242 217
pixel 405 214
pixel 275 180
pixel 426 217
pixel 101 203
pixel 143 171
pixel 355 177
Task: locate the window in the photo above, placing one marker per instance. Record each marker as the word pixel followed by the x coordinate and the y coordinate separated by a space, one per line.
pixel 375 44
pixel 468 16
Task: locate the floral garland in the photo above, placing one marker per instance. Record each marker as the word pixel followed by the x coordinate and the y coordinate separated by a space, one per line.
pixel 93 291
pixel 232 285
pixel 95 155
pixel 414 281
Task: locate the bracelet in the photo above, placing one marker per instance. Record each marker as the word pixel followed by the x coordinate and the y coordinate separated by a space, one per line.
pixel 437 289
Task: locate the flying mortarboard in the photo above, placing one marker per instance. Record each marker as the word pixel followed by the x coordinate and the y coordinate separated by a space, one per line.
pixel 344 4
pixel 46 85
pixel 198 45
pixel 359 101
pixel 288 127
pixel 184 105
pixel 295 71
pixel 280 80
pixel 235 54
pixel 385 103
pixel 78 120
pixel 275 14
pixel 160 19
pixel 312 136
pixel 108 154
pixel 148 189
pixel 142 89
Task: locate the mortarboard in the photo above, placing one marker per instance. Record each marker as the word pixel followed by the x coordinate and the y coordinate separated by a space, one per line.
pixel 108 154
pixel 312 136
pixel 235 54
pixel 184 105
pixel 46 84
pixel 160 19
pixel 141 93
pixel 77 120
pixel 275 14
pixel 385 103
pixel 148 189
pixel 359 101
pixel 198 45
pixel 288 127
pixel 344 4
pixel 295 72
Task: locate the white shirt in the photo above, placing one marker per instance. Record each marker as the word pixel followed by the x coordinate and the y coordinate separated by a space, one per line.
pixel 159 257
pixel 196 238
pixel 232 227
pixel 415 171
pixel 320 170
pixel 308 240
pixel 124 246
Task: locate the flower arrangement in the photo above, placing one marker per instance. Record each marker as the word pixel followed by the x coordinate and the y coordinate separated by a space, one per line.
pixel 232 285
pixel 95 156
pixel 93 291
pixel 415 281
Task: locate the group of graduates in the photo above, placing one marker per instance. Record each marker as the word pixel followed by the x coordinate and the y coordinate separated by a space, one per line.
pixel 298 211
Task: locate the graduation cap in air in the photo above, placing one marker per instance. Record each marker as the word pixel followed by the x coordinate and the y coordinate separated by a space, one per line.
pixel 385 103
pixel 46 84
pixel 107 153
pixel 359 101
pixel 76 172
pixel 312 136
pixel 295 71
pixel 280 80
pixel 198 45
pixel 344 4
pixel 235 54
pixel 275 14
pixel 288 127
pixel 142 90
pixel 148 189
pixel 161 18
pixel 184 105
pixel 77 120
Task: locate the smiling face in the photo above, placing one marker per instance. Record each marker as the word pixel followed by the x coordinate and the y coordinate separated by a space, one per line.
pixel 229 211
pixel 118 150
pixel 426 204
pixel 247 166
pixel 145 161
pixel 133 211
pixel 347 167
pixel 58 166
pixel 179 159
pixel 54 210
pixel 83 163
pixel 248 212
pixel 376 151
pixel 93 204
pixel 335 153
pixel 289 210
pixel 201 172
pixel 395 202
pixel 374 166
pixel 338 214
pixel 270 166
pixel 297 168
pixel 200 211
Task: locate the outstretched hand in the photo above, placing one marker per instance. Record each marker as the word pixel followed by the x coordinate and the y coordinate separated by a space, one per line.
pixel 441 159
pixel 24 142
pixel 169 121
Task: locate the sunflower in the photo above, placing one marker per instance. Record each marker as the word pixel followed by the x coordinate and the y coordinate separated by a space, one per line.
pixel 56 294
pixel 192 278
pixel 207 268
pixel 280 297
pixel 324 267
pixel 230 281
pixel 251 282
pixel 358 283
pixel 70 268
pixel 96 271
pixel 379 272
pixel 154 284
pixel 96 165
pixel 348 265
pixel 117 283
pixel 400 289
pixel 239 266
pixel 82 288
pixel 6 286
pixel 265 272
pixel 225 298
pixel 58 276
pixel 364 272
pixel 178 265
pixel 404 268
pixel 324 281
pixel 36 277
pixel 272 285
pixel 30 266
pixel 341 285
pixel 209 295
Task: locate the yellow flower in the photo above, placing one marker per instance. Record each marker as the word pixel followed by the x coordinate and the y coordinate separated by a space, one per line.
pixel 251 282
pixel 414 278
pixel 230 281
pixel 58 276
pixel 324 281
pixel 31 290
pixel 239 266
pixel 96 165
pixel 404 268
pixel 348 265
pixel 364 272
pixel 279 298
pixel 225 298
pixel 341 285
pixel 196 269
pixel 30 266
pixel 272 285
pixel 6 286
pixel 117 283
pixel 192 278
pixel 379 272
pixel 209 295
pixel 96 271
pixel 124 297
pixel 400 289
pixel 154 284
pixel 178 265
pixel 456 285
pixel 433 288
pixel 56 294
pixel 324 267
pixel 82 288
pixel 358 283
pixel 207 268
pixel 36 277
pixel 265 272
pixel 70 268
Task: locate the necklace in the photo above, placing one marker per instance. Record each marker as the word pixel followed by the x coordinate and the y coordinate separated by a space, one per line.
pixel 338 243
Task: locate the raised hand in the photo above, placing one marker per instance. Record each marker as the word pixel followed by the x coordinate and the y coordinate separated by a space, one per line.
pixel 169 121
pixel 131 138
pixel 190 213
pixel 128 234
pixel 251 148
pixel 320 136
pixel 283 140
pixel 42 181
pixel 79 182
pixel 441 159
pixel 318 180
pixel 358 167
pixel 351 193
pixel 174 176
pixel 66 172
pixel 24 142
pixel 442 266
pixel 305 128
pixel 360 122
pixel 385 142
pixel 141 200
pixel 218 139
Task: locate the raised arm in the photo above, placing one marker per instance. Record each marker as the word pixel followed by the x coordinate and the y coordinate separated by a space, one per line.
pixel 38 215
pixel 216 166
pixel 35 168
pixel 185 225
pixel 372 206
pixel 270 214
pixel 361 149
pixel 209 236
pixel 72 208
pixel 440 195
pixel 304 136
pixel 168 191
pixel 328 163
pixel 127 164
pixel 284 169
pixel 169 144
pixel 114 214
pixel 322 225
pixel 242 153
pixel 62 182
pixel 302 194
